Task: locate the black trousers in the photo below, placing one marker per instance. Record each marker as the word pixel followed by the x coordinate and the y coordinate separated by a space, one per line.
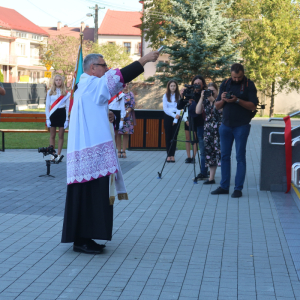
pixel 169 133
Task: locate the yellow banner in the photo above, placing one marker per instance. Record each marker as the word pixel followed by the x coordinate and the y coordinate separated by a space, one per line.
pixel 24 78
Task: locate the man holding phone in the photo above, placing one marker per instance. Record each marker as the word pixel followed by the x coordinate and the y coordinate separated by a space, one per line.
pixel 238 98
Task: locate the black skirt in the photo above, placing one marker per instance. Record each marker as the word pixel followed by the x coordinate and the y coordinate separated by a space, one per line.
pixel 118 118
pixel 58 118
pixel 88 213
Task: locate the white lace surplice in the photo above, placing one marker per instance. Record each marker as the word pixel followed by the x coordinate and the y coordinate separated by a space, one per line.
pixel 91 152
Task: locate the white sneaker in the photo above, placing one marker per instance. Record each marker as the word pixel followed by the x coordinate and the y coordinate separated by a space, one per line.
pixel 59 158
pixel 52 157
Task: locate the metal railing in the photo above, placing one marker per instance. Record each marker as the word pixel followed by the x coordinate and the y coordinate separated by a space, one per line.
pixel 296 174
pixel 294 140
pixel 296 166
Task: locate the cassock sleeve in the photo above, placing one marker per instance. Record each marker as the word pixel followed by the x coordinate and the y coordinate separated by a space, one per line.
pixel 132 71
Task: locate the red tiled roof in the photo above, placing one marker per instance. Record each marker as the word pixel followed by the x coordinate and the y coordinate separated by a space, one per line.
pixel 88 33
pixel 120 23
pixel 9 18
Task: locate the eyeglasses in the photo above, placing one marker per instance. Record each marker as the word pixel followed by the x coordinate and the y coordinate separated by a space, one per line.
pixel 103 65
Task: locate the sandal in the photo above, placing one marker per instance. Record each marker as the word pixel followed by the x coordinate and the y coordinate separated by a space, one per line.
pixel 119 154
pixel 124 154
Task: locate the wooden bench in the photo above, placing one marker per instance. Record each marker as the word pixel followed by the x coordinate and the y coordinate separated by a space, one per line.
pixel 22 117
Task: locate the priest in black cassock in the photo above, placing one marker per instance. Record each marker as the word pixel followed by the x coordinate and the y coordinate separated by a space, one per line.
pixel 93 169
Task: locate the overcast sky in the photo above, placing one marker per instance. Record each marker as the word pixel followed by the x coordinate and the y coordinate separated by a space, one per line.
pixel 71 12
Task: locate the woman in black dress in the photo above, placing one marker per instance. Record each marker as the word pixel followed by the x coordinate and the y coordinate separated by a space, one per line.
pixel 213 120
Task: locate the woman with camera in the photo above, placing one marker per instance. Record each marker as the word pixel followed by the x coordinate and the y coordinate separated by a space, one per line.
pixel 171 117
pixel 197 121
pixel 213 120
pixel 57 113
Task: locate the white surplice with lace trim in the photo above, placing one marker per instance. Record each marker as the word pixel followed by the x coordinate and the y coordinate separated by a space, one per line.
pixel 91 152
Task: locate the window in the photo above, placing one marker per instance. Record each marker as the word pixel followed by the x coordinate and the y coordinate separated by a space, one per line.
pixel 127 47
pixel 34 52
pixel 138 49
pixel 21 49
pixel 21 34
pixel 36 37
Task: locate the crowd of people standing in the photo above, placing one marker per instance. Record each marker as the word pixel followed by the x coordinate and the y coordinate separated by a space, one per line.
pixel 215 119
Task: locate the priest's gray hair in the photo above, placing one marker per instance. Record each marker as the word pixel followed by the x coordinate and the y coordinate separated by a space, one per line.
pixel 90 59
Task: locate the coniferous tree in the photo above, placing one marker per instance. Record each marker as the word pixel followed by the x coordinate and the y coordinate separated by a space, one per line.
pixel 204 44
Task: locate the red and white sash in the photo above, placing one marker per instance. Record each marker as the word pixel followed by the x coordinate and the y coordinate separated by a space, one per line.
pixel 114 97
pixel 58 102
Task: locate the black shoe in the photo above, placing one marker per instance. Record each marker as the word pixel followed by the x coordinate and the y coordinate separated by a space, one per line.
pixel 188 160
pixel 209 181
pixel 89 247
pixel 220 191
pixel 236 194
pixel 200 176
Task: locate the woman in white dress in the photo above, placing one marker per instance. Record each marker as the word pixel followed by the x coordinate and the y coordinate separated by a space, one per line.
pixel 57 110
pixel 117 106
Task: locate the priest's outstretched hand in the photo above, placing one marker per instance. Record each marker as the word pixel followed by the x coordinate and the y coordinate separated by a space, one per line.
pixel 150 57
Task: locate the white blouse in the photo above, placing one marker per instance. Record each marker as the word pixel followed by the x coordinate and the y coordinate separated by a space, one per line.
pixel 119 104
pixel 51 99
pixel 170 108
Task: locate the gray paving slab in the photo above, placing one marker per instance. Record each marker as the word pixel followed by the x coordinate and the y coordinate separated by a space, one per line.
pixel 171 240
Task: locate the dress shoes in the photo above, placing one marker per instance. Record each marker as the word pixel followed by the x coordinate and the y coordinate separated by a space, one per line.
pixel 236 194
pixel 89 247
pixel 209 181
pixel 220 191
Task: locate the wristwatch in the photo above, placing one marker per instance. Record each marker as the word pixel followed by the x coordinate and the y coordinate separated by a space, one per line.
pixel 237 101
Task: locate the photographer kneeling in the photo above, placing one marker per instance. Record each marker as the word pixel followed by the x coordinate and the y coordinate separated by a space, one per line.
pixel 238 98
pixel 197 121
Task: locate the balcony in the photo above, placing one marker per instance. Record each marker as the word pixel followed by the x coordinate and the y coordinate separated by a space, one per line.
pixel 35 61
pixel 6 59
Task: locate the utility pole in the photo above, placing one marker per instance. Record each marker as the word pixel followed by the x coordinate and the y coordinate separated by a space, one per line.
pixel 96 24
pixel 95 15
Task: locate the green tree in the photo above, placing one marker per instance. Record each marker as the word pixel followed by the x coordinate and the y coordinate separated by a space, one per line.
pixel 205 40
pixel 1 76
pixel 153 24
pixel 61 53
pixel 115 55
pixel 271 46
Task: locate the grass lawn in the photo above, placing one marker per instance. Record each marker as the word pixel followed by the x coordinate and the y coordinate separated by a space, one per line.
pixel 36 140
pixel 27 140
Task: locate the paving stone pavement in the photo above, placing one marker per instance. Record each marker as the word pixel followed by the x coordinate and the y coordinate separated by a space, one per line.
pixel 171 240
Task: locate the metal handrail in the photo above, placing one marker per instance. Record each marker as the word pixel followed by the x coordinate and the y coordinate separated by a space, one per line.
pixel 281 119
pixel 296 174
pixel 294 140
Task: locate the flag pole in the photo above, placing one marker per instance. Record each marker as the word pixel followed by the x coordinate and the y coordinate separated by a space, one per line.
pixel 75 74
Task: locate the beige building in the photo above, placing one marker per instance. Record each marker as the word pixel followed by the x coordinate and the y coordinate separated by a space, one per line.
pixel 20 41
pixel 122 28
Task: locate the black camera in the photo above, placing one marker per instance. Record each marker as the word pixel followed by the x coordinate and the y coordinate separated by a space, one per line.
pixel 189 92
pixel 47 150
pixel 208 93
pixel 229 95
